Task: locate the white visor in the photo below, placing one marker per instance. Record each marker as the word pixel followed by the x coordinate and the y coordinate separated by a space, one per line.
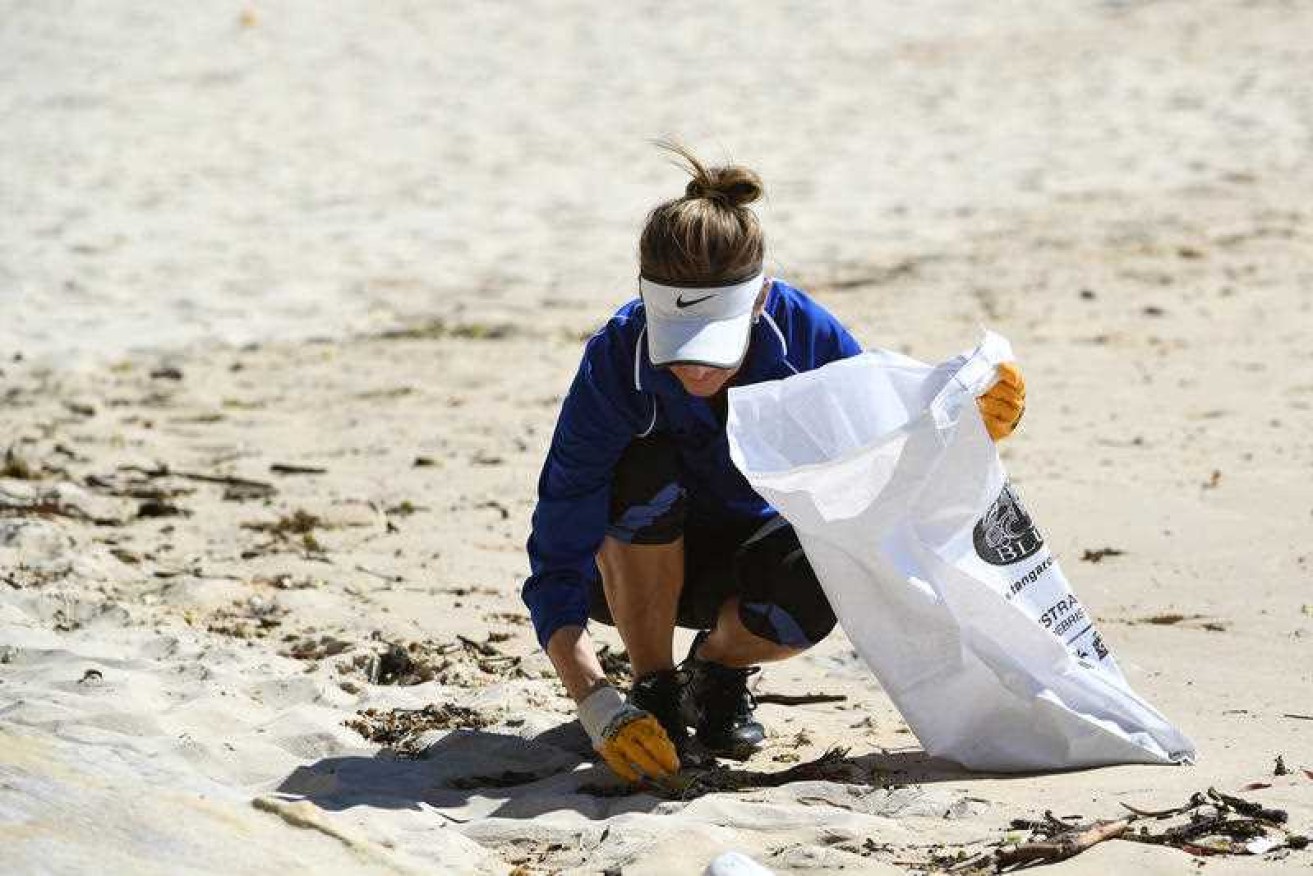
pixel 700 326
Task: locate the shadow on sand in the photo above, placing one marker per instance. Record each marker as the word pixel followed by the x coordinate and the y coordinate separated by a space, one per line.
pixel 471 774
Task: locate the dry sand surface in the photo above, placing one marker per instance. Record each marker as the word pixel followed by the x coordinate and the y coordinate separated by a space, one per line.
pixel 299 290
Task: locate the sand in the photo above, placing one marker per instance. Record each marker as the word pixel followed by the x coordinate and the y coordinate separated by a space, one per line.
pixel 368 242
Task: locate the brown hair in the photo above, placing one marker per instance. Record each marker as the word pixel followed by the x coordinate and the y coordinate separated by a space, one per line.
pixel 709 236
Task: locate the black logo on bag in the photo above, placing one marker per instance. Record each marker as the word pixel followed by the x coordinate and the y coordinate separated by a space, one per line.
pixel 1100 649
pixel 1006 535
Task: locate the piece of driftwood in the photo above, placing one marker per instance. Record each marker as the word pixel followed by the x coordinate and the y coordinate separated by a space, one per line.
pixel 1196 800
pixel 1218 824
pixel 237 489
pixel 1062 845
pixel 800 699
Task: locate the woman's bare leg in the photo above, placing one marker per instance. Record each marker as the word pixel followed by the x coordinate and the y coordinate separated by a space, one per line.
pixel 642 583
pixel 732 644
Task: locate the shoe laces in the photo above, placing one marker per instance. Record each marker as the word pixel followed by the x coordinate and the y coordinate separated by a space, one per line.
pixel 727 687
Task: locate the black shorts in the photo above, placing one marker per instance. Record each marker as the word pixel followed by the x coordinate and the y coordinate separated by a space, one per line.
pixel 759 561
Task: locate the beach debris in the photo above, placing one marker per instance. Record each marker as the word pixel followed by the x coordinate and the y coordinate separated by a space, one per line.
pixel 166 372
pixel 15 466
pixel 616 665
pixel 1166 619
pixel 82 409
pixel 315 648
pixel 1172 618
pixel 1280 768
pixel 287 468
pixel 691 783
pixel 1209 823
pixel 799 699
pixel 382 576
pixel 467 590
pixel 250 618
pixel 1213 480
pixel 133 485
pixel 465 662
pixel 506 779
pixel 91 675
pixel 299 522
pixel 23 499
pixel 287 581
pixel 1058 841
pixel 518 618
pixel 235 489
pixel 1098 555
pixel 400 729
pixel 424 462
pixel 437 329
pixel 285 531
pixel 391 665
pixel 496 506
pixel 404 508
pixel 831 766
pixel 161 508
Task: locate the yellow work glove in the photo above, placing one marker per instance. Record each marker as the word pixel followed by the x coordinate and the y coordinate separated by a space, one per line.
pixel 1004 403
pixel 629 739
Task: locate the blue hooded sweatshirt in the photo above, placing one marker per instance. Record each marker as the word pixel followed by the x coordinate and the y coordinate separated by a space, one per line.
pixel 617 396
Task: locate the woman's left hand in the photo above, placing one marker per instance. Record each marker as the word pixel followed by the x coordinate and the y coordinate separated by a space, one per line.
pixel 1005 402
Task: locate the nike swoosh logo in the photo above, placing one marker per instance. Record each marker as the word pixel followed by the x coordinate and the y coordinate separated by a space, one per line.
pixel 681 303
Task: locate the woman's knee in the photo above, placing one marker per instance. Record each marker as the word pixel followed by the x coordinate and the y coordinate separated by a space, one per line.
pixel 790 626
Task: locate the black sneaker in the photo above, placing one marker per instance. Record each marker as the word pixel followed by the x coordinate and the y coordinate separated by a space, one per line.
pixel 658 694
pixel 716 700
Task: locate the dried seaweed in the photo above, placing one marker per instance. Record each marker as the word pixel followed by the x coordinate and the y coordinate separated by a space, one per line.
pixel 251 618
pixel 465 662
pixel 616 665
pixel 312 648
pixel 235 488
pixel 691 783
pixel 400 729
pixel 15 466
pixel 299 522
pixel 506 779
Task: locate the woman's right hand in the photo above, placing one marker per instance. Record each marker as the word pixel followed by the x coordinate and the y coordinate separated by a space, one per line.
pixel 629 739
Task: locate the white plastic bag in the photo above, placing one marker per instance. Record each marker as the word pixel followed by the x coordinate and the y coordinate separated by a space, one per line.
pixel 934 569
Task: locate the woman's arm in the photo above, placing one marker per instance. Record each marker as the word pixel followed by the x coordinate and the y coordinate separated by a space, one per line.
pixel 573 654
pixel 599 416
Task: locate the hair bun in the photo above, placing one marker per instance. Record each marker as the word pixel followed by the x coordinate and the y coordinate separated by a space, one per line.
pixel 730 186
pixel 733 186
